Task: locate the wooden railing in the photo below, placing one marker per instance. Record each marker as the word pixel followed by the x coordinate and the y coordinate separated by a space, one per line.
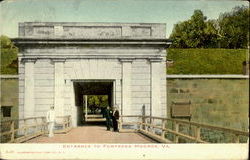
pixel 159 128
pixel 20 130
pixel 122 122
pixel 66 124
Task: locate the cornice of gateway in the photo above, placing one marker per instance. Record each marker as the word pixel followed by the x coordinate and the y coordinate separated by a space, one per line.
pixel 65 58
pixel 77 41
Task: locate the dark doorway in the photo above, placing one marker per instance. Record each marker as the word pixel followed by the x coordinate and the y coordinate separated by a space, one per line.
pixel 91 98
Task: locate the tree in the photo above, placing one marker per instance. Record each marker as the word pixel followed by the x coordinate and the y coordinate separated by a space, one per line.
pixel 212 38
pixel 194 33
pixel 234 28
pixel 231 30
pixel 8 56
pixel 97 101
pixel 178 35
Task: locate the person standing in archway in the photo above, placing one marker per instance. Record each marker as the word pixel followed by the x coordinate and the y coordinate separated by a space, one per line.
pixel 115 118
pixel 51 121
pixel 108 116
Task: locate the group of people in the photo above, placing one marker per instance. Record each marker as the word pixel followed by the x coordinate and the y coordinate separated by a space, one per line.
pixel 112 117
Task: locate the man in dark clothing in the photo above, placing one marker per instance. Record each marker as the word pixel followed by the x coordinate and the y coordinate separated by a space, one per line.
pixel 103 112
pixel 108 116
pixel 115 118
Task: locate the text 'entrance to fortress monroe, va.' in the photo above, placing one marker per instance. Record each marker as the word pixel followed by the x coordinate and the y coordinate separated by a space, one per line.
pixel 91 99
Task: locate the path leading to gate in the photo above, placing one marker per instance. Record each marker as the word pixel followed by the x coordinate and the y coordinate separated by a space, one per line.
pixel 93 134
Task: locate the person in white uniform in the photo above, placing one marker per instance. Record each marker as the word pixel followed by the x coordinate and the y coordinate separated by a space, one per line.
pixel 51 120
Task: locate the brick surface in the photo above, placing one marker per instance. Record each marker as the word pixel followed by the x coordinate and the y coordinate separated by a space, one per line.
pixel 93 134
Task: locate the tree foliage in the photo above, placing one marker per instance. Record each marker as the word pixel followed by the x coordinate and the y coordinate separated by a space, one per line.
pixel 229 31
pixel 194 33
pixel 234 28
pixel 97 102
pixel 8 56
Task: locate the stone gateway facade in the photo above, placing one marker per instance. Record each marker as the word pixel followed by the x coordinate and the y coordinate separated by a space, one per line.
pixel 59 63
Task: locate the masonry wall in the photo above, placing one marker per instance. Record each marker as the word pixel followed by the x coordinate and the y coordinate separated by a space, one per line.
pixel 221 102
pixel 21 89
pixel 112 69
pixel 9 97
pixel 89 69
pixel 44 86
pixel 140 86
pixel 107 66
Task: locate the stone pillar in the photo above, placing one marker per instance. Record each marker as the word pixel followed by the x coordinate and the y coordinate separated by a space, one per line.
pixel 155 68
pixel 245 67
pixel 29 98
pixel 86 106
pixel 126 86
pixel 73 105
pixel 114 93
pixel 59 86
pixel 118 94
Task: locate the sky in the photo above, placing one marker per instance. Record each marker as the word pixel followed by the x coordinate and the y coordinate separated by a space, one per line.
pixel 133 11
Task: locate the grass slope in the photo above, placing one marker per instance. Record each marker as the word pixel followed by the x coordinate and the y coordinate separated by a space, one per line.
pixel 206 61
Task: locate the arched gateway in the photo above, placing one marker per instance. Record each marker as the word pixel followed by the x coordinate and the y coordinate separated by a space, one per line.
pixel 58 60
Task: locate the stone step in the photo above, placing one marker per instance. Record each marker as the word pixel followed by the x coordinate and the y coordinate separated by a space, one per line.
pixel 94 116
pixel 96 120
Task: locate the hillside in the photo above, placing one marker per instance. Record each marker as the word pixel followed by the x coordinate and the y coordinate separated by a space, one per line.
pixel 206 61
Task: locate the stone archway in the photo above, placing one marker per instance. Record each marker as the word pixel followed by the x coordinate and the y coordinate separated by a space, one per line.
pixel 54 55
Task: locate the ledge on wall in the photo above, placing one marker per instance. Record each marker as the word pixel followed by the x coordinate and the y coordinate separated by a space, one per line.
pixel 8 76
pixel 168 76
pixel 229 76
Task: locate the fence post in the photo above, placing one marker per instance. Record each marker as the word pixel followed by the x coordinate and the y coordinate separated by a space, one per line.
pixel 120 124
pixel 36 130
pixel 198 133
pixel 68 121
pixel 141 126
pixel 146 122
pixel 44 125
pixel 163 127
pixel 25 128
pixel 12 131
pixel 176 137
pixel 65 121
pixel 152 123
pixel 143 116
pixel 237 138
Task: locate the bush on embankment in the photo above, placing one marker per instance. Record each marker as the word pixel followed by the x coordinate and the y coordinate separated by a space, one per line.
pixel 8 56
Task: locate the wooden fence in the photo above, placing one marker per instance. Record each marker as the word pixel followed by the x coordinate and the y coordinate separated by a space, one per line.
pixel 160 129
pixel 21 130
